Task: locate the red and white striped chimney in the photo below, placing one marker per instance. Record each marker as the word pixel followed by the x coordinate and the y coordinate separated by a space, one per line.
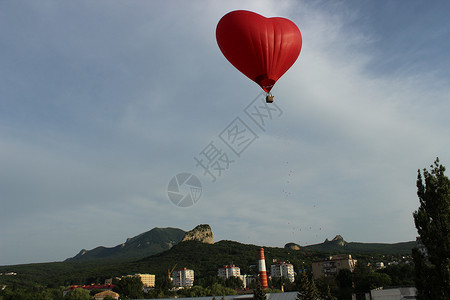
pixel 262 269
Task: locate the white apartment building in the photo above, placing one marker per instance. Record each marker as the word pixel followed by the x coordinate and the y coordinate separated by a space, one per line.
pixel 183 278
pixel 247 280
pixel 229 271
pixel 283 269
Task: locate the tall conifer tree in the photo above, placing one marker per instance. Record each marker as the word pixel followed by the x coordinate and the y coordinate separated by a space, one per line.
pixel 307 288
pixel 432 221
pixel 258 293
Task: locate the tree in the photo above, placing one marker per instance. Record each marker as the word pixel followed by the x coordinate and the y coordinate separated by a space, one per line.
pixel 208 281
pixel 258 293
pixel 329 296
pixel 281 282
pixel 79 294
pixel 365 279
pixel 130 287
pixel 307 288
pixel 234 282
pixel 163 283
pixel 344 281
pixel 195 291
pixel 217 289
pixel 432 220
pixel 402 274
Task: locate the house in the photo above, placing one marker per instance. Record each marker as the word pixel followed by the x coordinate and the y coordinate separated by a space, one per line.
pixel 90 287
pixel 283 269
pixel 183 278
pixel 273 296
pixel 247 280
pixel 229 271
pixel 104 294
pixel 395 293
pixel 332 265
pixel 148 280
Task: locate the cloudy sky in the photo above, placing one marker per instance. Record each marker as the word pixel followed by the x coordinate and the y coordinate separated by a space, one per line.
pixel 103 102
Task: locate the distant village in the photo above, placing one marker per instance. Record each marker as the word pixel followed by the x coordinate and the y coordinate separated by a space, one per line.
pixel 184 278
pixel 181 279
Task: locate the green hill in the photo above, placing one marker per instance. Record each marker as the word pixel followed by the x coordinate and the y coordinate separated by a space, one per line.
pixel 142 245
pixel 160 249
pixel 339 245
pixel 205 259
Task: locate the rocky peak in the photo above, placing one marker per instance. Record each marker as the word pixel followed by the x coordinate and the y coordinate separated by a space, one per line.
pixel 292 246
pixel 338 239
pixel 201 233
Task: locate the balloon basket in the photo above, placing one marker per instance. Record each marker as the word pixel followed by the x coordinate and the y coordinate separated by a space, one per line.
pixel 269 98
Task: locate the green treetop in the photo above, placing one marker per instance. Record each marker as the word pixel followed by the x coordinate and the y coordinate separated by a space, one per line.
pixel 258 293
pixel 307 288
pixel 432 220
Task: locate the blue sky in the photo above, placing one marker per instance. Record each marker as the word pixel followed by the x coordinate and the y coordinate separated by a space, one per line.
pixel 103 102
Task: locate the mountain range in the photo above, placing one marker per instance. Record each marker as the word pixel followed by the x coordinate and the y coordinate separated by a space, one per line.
pixel 161 249
pixel 146 244
pixel 339 245
pixel 158 240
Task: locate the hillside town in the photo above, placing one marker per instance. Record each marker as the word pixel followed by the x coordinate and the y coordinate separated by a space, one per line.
pixel 184 278
pixel 267 269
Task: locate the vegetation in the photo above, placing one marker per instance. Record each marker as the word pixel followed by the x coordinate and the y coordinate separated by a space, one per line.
pixel 432 221
pixel 30 292
pixel 344 282
pixel 307 288
pixel 341 246
pixel 205 259
pixel 259 293
pixel 129 287
pixel 401 275
pixel 364 278
pixel 78 294
pixel 216 289
pixel 148 243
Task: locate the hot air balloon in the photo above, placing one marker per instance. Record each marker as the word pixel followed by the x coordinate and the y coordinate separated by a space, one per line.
pixel 261 48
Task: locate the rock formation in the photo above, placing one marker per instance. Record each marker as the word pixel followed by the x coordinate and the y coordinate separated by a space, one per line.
pixel 292 246
pixel 201 233
pixel 338 239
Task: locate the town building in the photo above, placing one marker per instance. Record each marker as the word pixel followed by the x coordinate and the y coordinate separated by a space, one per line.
pixel 332 265
pixel 390 293
pixel 271 296
pixel 282 269
pixel 247 280
pixel 183 278
pixel 106 294
pixel 229 271
pixel 148 280
pixel 90 287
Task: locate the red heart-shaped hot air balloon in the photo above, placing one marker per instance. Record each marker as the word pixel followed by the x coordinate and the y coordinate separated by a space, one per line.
pixel 261 48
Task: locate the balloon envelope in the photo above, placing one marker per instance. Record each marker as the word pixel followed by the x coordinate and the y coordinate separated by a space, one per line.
pixel 261 48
